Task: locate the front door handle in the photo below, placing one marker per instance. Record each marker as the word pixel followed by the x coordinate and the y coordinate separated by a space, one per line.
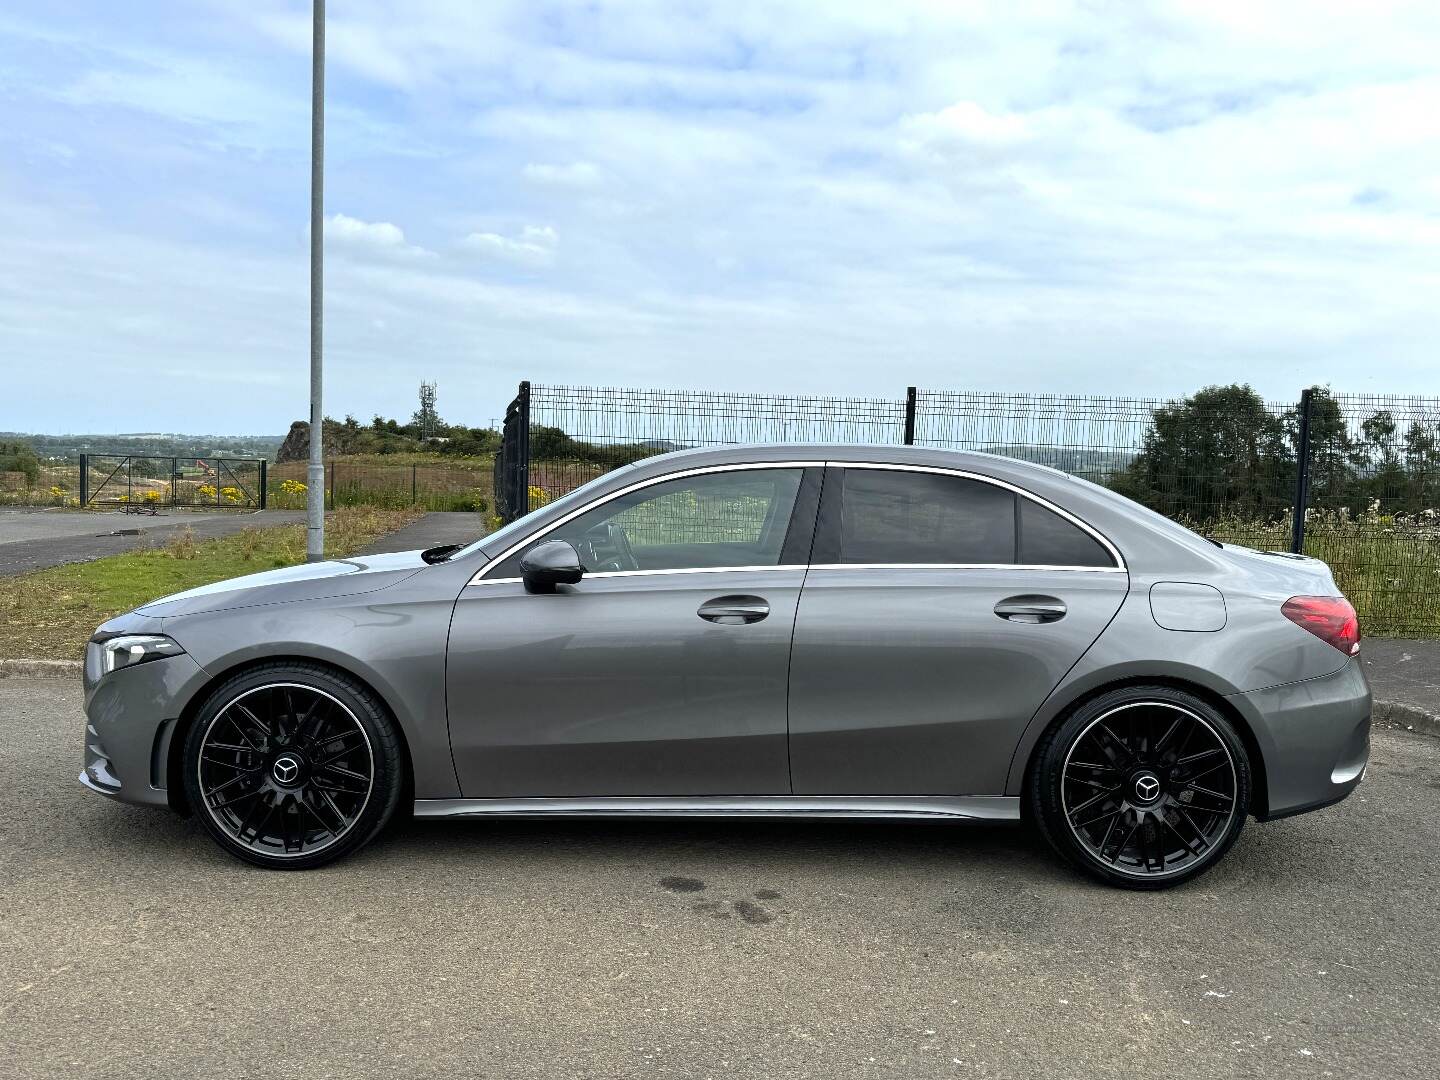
pixel 1031 609
pixel 734 610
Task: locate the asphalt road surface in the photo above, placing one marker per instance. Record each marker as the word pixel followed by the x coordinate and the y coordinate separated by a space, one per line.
pixel 36 539
pixel 131 947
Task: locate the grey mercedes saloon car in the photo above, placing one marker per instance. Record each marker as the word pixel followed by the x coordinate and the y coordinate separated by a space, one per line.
pixel 780 631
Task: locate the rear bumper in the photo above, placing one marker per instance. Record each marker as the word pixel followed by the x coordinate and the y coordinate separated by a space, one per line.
pixel 1314 737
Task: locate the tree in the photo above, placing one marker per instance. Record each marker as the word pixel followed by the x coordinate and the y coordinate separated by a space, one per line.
pixel 1219 452
pixel 1422 467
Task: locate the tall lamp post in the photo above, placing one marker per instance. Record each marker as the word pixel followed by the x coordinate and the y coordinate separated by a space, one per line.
pixel 315 494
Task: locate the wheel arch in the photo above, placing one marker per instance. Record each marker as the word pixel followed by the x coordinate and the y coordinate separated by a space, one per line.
pixel 174 762
pixel 1259 790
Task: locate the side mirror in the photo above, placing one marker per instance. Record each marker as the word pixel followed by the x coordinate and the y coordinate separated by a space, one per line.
pixel 549 564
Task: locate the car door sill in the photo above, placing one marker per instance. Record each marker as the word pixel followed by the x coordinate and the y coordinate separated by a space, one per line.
pixel 954 807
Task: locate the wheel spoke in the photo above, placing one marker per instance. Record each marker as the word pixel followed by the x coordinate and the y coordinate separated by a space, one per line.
pixel 236 798
pixel 259 724
pixel 1093 800
pixel 1125 843
pixel 1100 817
pixel 338 754
pixel 1092 783
pixel 1164 740
pixel 1186 762
pixel 249 817
pixel 1121 750
pixel 1179 836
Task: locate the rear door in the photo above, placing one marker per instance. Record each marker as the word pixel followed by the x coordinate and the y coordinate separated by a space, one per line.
pixel 940 610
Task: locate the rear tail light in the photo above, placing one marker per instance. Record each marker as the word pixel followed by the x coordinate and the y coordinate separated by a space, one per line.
pixel 1330 618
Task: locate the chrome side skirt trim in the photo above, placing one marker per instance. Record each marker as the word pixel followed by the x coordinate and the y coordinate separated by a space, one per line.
pixel 955 807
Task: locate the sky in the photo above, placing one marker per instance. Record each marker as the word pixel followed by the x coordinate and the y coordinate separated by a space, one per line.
pixel 755 195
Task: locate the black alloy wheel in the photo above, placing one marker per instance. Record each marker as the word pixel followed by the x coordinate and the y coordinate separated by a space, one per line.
pixel 1144 787
pixel 292 766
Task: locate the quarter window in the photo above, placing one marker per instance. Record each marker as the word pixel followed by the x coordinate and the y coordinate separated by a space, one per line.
pixel 1047 539
pixel 721 519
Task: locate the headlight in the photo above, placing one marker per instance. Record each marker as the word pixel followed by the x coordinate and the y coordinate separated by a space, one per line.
pixel 127 650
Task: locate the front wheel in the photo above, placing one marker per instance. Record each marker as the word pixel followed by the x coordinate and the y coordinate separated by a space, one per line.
pixel 292 765
pixel 1143 787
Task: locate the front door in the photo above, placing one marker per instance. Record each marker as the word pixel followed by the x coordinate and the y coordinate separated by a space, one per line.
pixel 939 614
pixel 663 672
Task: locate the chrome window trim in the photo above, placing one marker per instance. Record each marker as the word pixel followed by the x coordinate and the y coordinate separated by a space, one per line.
pixel 602 574
pixel 943 470
pixel 966 566
pixel 656 573
pixel 479 576
pixel 1120 566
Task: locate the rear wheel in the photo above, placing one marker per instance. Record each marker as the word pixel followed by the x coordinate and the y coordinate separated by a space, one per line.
pixel 1143 787
pixel 292 765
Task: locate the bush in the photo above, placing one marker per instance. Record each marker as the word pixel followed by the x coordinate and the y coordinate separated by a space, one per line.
pixel 20 457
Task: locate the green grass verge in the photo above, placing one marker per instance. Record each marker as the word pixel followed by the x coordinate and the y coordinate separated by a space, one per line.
pixel 49 614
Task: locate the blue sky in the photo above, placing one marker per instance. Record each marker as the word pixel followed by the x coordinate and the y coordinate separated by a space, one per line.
pixel 799 197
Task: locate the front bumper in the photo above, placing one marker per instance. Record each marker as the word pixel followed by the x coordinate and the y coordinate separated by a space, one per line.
pixel 1314 737
pixel 131 717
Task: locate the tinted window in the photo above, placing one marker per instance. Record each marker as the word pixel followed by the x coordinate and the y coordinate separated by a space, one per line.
pixel 737 518
pixel 915 517
pixel 1047 539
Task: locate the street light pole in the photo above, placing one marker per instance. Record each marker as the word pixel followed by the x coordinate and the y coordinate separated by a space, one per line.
pixel 315 494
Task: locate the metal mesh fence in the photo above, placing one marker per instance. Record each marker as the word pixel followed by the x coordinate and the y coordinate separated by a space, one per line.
pixel 435 486
pixel 1374 506
pixel 578 432
pixel 1223 461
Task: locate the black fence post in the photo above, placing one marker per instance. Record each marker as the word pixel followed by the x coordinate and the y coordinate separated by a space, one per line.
pixel 1302 476
pixel 84 480
pixel 413 499
pixel 522 463
pixel 910 416
pixel 264 484
pixel 330 468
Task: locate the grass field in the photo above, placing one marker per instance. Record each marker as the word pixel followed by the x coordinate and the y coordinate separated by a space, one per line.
pixel 1390 572
pixel 51 613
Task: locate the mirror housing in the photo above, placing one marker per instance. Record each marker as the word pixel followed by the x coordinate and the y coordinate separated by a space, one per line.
pixel 549 564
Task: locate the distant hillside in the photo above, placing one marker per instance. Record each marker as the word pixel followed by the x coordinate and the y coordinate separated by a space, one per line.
pixel 1078 460
pixel 165 444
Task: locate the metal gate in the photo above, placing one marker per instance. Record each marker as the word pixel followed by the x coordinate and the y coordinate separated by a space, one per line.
pixel 143 483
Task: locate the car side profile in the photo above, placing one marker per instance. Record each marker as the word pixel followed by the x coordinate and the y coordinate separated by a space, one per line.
pixel 784 631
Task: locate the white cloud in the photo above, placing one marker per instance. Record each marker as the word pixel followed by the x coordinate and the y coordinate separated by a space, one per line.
pixel 368 238
pixel 577 174
pixel 535 246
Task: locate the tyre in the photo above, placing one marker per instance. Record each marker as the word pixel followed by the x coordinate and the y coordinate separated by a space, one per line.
pixel 1143 787
pixel 292 765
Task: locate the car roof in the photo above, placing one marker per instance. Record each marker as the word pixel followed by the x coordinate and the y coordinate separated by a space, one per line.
pixel 698 457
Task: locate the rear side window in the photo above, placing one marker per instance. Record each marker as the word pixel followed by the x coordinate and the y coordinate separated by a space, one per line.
pixel 901 517
pixel 916 517
pixel 1047 539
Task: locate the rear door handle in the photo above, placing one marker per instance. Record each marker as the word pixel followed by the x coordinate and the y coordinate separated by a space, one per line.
pixel 1031 609
pixel 734 610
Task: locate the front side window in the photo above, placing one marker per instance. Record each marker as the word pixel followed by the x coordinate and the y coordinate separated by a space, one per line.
pixel 892 516
pixel 722 519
